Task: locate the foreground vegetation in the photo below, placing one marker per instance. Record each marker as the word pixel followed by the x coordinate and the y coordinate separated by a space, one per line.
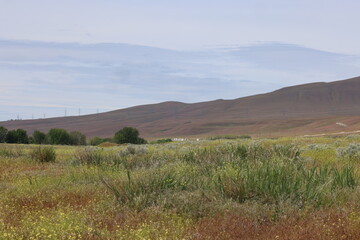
pixel 288 188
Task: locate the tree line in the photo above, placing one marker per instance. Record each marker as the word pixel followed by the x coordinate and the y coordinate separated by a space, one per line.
pixel 59 136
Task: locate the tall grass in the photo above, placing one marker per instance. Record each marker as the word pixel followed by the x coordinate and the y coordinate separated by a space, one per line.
pixel 254 172
pixel 11 151
pixel 274 181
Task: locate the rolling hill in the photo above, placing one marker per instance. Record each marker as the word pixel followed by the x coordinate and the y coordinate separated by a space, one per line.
pixel 304 109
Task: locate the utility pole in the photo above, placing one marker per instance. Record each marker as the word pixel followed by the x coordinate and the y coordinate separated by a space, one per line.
pixel 79 111
pixel 65 112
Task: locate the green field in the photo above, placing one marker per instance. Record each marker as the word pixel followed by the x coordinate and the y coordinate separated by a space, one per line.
pixel 286 188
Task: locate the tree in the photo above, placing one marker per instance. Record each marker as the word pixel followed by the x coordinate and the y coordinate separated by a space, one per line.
pixel 39 137
pixel 17 136
pixel 77 138
pixel 11 136
pixel 3 132
pixel 128 135
pixel 58 136
pixel 22 136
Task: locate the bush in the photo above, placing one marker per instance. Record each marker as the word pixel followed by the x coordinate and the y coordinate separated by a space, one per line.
pixel 77 138
pixel 89 156
pixel 43 154
pixel 39 137
pixel 58 136
pixel 132 150
pixel 128 135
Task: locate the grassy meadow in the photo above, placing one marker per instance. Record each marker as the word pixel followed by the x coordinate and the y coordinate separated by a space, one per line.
pixel 286 188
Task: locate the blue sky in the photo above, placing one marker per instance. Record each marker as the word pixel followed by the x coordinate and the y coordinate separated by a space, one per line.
pixel 57 55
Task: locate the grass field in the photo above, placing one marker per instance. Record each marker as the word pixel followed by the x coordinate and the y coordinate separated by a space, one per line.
pixel 286 188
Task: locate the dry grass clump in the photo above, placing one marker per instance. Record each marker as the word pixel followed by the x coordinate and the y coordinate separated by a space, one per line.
pixel 43 154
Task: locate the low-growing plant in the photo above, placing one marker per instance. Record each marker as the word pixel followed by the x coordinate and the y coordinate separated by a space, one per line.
pixel 318 147
pixel 133 150
pixel 351 152
pixel 43 154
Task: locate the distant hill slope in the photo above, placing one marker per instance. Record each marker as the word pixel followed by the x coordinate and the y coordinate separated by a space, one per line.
pixel 303 109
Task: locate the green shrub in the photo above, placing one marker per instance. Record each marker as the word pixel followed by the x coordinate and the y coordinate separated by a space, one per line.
pixel 43 154
pixel 58 136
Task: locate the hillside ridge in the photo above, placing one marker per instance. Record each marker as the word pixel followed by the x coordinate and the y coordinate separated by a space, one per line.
pixel 306 108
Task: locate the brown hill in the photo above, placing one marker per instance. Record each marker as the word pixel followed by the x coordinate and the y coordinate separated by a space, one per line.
pixel 303 109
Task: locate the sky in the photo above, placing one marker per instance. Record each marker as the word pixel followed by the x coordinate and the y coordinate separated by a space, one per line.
pixel 89 56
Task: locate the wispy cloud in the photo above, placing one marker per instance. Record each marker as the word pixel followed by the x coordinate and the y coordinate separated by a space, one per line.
pixel 38 77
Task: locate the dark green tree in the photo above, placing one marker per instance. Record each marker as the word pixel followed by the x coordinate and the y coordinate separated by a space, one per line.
pixel 3 132
pixel 11 136
pixel 77 138
pixel 39 137
pixel 58 136
pixel 22 136
pixel 128 135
